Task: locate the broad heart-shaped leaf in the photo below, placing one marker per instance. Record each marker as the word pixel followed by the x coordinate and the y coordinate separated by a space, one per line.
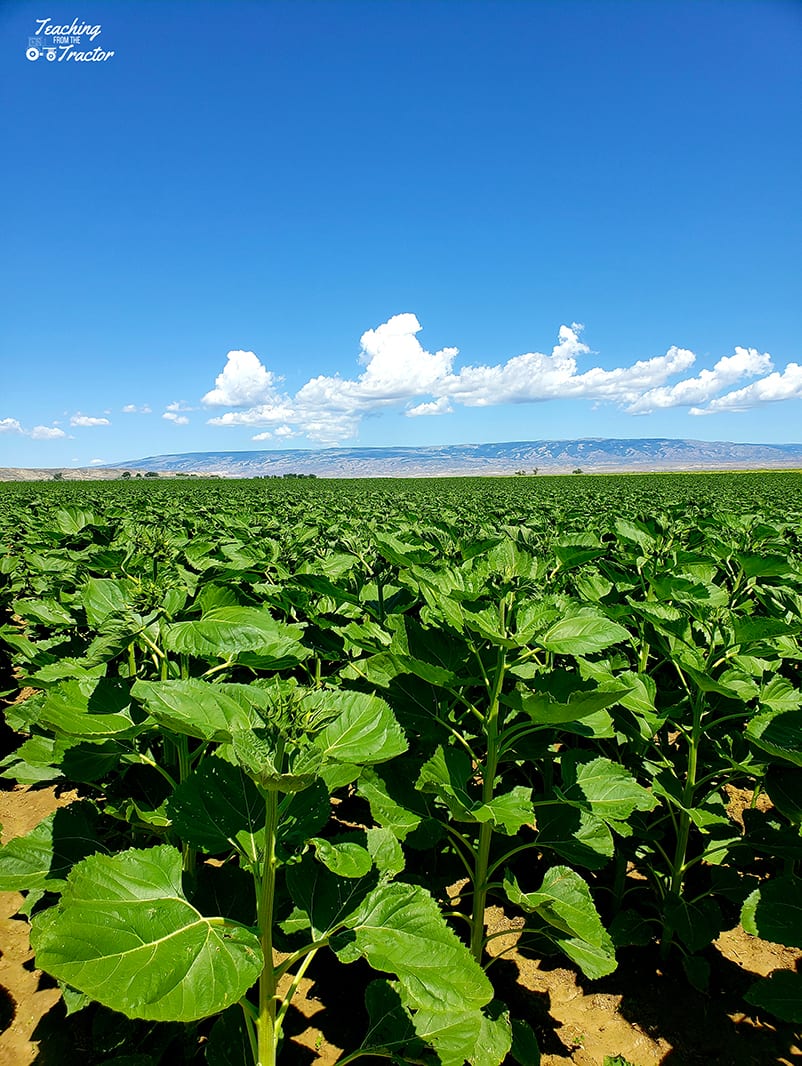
pixel 364 732
pixel 774 912
pixel 48 612
pixel 399 553
pixel 564 902
pixel 385 851
pixel 391 665
pixel 42 858
pixel 103 597
pixel 399 929
pixel 780 993
pixel 602 786
pixel 228 631
pixel 583 633
pixel 89 708
pixel 72 519
pixel 214 805
pixel 193 708
pixel 764 565
pixel 778 734
pixel 124 934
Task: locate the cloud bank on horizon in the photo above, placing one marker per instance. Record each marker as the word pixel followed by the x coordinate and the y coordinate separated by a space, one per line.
pixel 399 372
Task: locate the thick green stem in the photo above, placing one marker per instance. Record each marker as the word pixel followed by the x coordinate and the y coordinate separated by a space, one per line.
pixel 492 731
pixel 266 1029
pixel 679 863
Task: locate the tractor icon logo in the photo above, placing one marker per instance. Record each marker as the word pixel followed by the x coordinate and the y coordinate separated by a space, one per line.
pixel 34 48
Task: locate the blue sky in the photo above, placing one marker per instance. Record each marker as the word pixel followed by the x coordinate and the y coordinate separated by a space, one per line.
pixel 270 224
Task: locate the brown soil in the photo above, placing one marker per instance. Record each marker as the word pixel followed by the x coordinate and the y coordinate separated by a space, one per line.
pixel 641 1012
pixel 23 1003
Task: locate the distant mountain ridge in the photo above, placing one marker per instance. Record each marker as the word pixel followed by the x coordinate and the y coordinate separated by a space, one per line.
pixel 592 454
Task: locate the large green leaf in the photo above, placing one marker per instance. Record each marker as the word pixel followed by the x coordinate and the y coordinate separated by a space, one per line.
pixel 583 634
pixel 462 1035
pixel 125 935
pixel 385 808
pixel 575 834
pixel 364 732
pixel 784 786
pixel 329 902
pixel 696 924
pixel 89 708
pixel 104 597
pixel 602 786
pixel 563 697
pixel 778 734
pixel 390 1028
pixel 399 929
pixel 193 708
pixel 564 903
pixel 346 859
pixel 229 631
pixel 780 993
pixel 218 807
pixel 42 858
pixel 48 612
pixel 446 776
pixel 774 911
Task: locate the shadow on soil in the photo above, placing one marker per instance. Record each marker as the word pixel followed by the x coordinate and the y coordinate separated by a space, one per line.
pixel 717 1027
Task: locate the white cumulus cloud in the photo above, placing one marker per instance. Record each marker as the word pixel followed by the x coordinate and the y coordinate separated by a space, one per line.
pixel 172 416
pixel 785 385
pixel 398 372
pixel 243 382
pixel 433 407
pixel 88 420
pixel 47 433
pixel 132 409
pixel 746 363
pixel 13 425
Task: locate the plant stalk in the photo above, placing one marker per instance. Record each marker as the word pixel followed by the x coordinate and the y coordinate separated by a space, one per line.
pixel 266 1029
pixel 492 730
pixel 679 864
